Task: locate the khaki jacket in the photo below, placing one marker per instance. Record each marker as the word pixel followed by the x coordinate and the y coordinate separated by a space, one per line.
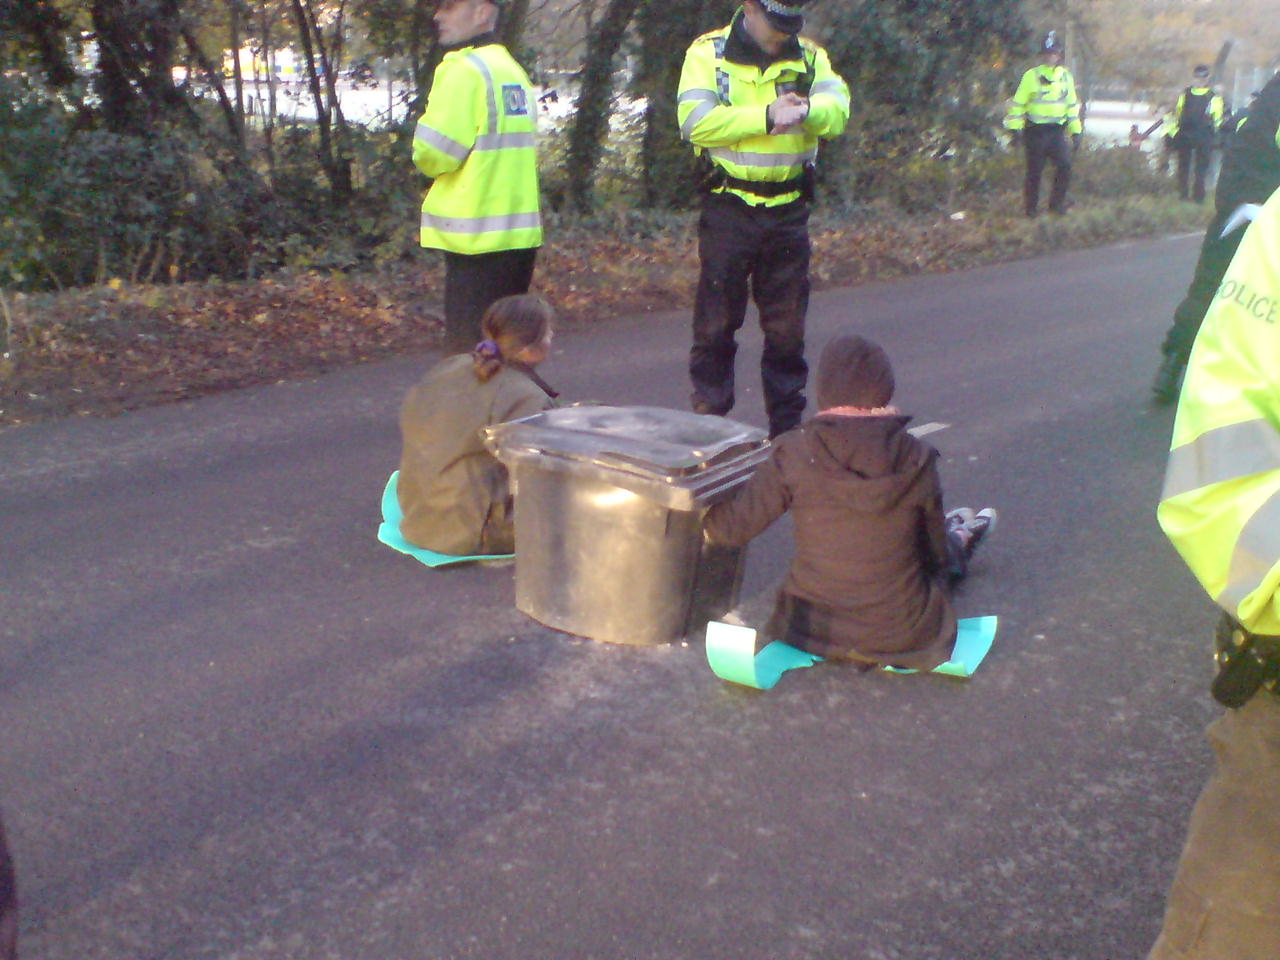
pixel 453 492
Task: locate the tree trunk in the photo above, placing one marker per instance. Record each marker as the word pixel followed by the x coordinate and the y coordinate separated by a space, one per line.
pixel 339 180
pixel 213 75
pixel 595 97
pixel 137 49
pixel 47 29
pixel 331 61
pixel 423 55
pixel 665 34
pixel 268 59
pixel 237 41
pixel 514 16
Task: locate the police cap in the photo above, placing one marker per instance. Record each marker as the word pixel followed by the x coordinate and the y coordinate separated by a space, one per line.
pixel 1053 43
pixel 786 16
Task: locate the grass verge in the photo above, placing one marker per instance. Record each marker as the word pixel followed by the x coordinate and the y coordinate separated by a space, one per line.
pixel 110 348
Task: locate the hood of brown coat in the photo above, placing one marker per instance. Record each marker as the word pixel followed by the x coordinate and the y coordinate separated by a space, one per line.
pixel 872 464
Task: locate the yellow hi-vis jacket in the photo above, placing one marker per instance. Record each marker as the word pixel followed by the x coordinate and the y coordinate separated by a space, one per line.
pixel 721 109
pixel 1046 94
pixel 477 139
pixel 1221 499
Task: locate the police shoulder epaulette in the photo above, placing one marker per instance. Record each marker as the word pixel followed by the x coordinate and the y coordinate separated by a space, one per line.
pixel 711 36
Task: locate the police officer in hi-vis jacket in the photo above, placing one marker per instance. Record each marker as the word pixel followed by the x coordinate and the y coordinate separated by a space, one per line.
pixel 476 140
pixel 1043 113
pixel 755 98
pixel 1196 119
pixel 1221 508
pixel 1250 173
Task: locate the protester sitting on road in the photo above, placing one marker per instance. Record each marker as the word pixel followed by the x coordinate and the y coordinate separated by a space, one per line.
pixel 874 553
pixel 454 493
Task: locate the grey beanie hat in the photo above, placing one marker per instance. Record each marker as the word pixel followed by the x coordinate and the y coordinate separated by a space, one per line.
pixel 854 372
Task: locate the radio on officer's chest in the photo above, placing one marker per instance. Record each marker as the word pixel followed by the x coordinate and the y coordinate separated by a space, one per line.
pixel 799 86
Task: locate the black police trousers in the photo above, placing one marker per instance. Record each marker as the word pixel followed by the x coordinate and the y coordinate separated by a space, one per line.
pixel 1193 165
pixel 1243 180
pixel 764 251
pixel 1216 253
pixel 472 281
pixel 1046 143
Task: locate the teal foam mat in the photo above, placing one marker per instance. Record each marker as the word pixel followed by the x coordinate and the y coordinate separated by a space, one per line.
pixel 389 533
pixel 731 652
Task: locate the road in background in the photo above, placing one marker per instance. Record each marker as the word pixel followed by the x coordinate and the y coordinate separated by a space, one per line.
pixel 236 726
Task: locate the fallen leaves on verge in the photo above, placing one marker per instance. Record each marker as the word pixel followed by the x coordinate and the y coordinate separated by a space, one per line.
pixel 118 346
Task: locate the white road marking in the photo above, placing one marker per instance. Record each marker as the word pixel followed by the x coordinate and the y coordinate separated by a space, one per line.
pixel 927 428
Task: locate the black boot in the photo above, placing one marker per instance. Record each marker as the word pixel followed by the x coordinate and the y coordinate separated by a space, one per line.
pixel 1168 379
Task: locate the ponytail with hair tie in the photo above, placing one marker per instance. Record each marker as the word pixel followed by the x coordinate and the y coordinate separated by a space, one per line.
pixel 488 350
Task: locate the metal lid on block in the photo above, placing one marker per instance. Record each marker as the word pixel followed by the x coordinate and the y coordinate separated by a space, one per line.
pixel 643 449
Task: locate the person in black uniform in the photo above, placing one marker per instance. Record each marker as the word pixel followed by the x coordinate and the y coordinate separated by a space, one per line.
pixel 1198 116
pixel 1250 174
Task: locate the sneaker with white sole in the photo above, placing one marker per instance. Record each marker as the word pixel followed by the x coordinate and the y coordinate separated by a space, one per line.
pixel 959 517
pixel 983 522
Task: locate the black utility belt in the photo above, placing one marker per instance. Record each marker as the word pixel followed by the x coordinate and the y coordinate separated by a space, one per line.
pixel 1247 663
pixel 765 188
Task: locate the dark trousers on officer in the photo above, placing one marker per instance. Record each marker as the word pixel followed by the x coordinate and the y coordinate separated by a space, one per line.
pixel 1241 182
pixel 1216 253
pixel 763 251
pixel 1225 897
pixel 1193 165
pixel 472 281
pixel 1046 143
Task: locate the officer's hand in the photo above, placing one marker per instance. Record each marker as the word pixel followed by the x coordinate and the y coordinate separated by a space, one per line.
pixel 1075 142
pixel 797 127
pixel 1015 138
pixel 787 111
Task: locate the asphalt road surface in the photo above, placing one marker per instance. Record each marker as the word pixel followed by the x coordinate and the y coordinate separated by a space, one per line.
pixel 235 726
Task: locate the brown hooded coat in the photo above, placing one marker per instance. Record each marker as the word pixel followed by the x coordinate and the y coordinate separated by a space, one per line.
pixel 868 580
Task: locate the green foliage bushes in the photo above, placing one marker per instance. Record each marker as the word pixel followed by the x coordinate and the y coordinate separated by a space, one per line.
pixel 1116 173
pixel 82 205
pixel 85 205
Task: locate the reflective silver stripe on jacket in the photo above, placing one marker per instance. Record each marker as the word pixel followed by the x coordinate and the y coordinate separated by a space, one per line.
pixel 446 145
pixel 488 83
pixel 1227 453
pixel 744 159
pixel 475 225
pixel 833 87
pixel 1257 550
pixel 504 141
pixel 706 100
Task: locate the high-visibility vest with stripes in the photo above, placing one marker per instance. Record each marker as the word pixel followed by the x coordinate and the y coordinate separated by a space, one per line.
pixel 1221 500
pixel 477 140
pixel 721 110
pixel 1046 95
pixel 1211 118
